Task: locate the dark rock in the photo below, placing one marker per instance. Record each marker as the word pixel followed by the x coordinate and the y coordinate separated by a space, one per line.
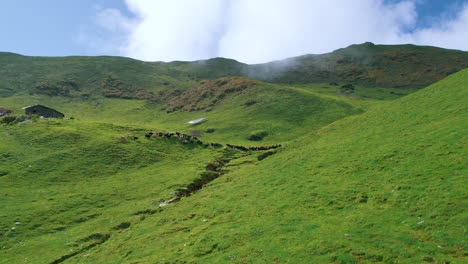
pixel 173 200
pixel 428 259
pixel 361 199
pixel 183 192
pixel 265 155
pixel 258 136
pixel 213 166
pixel 123 225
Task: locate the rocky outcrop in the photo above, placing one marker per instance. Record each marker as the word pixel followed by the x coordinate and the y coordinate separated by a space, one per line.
pixel 253 148
pixel 187 139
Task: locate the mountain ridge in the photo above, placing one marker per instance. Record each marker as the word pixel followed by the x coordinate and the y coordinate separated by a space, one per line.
pixel 392 66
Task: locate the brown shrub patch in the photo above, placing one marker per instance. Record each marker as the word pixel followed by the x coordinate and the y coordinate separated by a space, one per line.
pixel 115 88
pixel 208 93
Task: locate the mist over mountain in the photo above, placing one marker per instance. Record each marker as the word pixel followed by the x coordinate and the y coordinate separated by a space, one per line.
pixel 398 66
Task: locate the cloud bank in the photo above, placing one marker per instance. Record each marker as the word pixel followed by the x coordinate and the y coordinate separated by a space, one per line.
pixel 264 30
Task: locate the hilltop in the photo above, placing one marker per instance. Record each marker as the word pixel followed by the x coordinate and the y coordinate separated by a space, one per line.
pixel 402 66
pixel 390 66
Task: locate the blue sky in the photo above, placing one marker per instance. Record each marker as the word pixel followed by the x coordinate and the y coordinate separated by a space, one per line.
pixel 430 10
pixel 108 27
pixel 49 27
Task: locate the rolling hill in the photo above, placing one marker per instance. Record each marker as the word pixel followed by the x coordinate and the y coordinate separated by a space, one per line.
pixel 402 66
pixel 366 173
pixel 389 66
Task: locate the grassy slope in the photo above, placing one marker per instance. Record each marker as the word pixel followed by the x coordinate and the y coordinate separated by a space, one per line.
pixel 21 73
pixel 292 207
pixel 385 186
pixel 65 180
pixel 283 112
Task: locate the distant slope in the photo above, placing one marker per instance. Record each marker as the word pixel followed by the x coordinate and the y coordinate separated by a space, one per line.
pixel 398 66
pixel 22 74
pixel 403 66
pixel 236 108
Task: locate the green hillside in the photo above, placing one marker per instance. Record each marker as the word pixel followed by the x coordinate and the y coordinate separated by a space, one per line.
pixel 66 179
pixel 390 66
pixel 335 158
pixel 384 186
pixel 403 66
pixel 233 112
pixel 85 76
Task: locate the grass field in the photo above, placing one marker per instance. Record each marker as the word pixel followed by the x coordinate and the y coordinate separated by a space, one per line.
pixel 387 186
pixel 374 176
pixel 62 179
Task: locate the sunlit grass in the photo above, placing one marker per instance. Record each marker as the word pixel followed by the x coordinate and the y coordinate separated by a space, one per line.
pixel 358 180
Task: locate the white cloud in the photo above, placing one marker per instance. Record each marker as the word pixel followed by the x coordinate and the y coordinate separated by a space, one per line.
pixel 109 32
pixel 295 27
pixel 263 30
pixel 172 30
pixel 451 34
pixel 113 20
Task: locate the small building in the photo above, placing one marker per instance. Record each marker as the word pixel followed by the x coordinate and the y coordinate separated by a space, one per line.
pixel 42 111
pixel 4 111
pixel 197 121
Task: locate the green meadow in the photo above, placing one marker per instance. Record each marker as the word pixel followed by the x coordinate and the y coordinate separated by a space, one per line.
pixel 367 174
